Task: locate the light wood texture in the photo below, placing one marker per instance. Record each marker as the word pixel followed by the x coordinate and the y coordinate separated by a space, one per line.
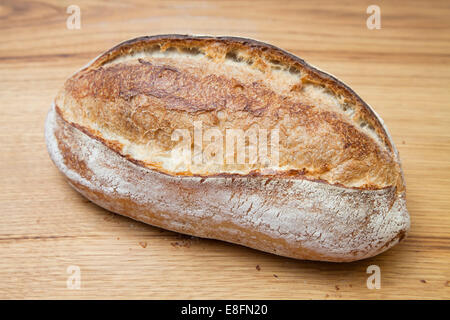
pixel 402 70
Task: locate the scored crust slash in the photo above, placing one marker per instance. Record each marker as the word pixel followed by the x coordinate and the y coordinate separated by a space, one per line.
pixel 335 193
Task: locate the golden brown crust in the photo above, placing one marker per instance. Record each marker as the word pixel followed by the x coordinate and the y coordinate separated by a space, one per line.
pixel 219 46
pixel 144 99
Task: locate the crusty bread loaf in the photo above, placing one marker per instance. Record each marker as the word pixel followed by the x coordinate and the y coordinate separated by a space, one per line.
pixel 336 191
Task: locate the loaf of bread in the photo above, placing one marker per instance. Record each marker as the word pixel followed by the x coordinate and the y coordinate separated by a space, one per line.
pixel 231 139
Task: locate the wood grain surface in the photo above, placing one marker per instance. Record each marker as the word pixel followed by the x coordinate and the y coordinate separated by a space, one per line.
pixel 402 70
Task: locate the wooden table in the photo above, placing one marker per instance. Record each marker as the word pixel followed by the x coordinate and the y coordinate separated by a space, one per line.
pixel 402 70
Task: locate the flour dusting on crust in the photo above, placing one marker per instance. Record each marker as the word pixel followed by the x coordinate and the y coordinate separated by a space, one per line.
pixel 291 217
